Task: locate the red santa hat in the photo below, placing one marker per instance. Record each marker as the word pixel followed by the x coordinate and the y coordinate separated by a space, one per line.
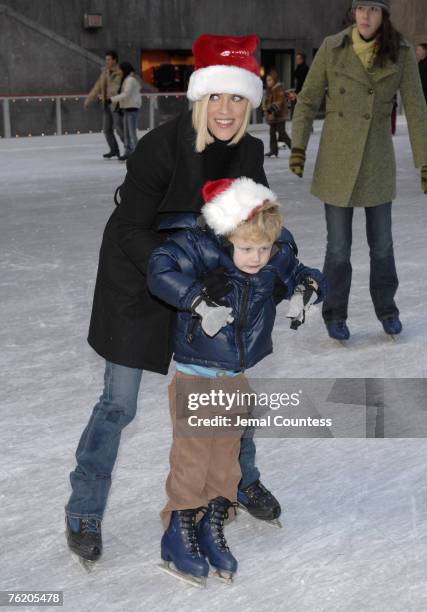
pixel 226 64
pixel 230 202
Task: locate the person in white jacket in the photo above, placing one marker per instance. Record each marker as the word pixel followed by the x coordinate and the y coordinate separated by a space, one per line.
pixel 129 99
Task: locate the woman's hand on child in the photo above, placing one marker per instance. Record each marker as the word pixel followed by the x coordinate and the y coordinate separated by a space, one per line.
pixel 216 284
pixel 213 317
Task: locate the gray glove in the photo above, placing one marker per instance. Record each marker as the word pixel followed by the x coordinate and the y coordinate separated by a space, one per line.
pixel 213 317
pixel 304 296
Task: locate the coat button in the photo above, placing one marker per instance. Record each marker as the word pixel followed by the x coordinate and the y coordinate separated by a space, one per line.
pixel 342 90
pixel 370 91
pixel 367 116
pixel 340 114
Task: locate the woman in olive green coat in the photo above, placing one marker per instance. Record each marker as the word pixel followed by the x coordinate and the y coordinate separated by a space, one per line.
pixel 360 70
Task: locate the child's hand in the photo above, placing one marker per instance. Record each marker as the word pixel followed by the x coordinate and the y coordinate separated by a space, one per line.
pixel 304 296
pixel 213 316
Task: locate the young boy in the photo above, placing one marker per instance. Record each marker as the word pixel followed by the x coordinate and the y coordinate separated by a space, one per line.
pixel 244 236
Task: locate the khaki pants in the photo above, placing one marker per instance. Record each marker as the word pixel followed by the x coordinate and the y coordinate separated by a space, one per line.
pixel 206 464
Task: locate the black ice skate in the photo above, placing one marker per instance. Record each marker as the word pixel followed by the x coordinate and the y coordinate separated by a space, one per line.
pixel 84 539
pixel 260 503
pixel 180 551
pixel 392 326
pixel 212 542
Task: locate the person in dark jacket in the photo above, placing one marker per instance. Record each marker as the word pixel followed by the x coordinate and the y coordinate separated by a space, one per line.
pixel 300 74
pixel 244 235
pixel 421 53
pixel 130 328
pixel 301 71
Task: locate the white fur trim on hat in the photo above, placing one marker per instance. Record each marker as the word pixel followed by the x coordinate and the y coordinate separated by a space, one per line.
pixel 225 79
pixel 230 207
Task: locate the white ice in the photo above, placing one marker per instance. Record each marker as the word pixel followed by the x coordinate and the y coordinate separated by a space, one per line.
pixel 354 536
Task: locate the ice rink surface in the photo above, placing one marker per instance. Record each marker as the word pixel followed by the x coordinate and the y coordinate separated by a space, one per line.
pixel 355 510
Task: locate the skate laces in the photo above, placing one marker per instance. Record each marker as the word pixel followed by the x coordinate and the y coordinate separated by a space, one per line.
pixel 187 521
pixel 258 492
pixel 219 513
pixel 90 526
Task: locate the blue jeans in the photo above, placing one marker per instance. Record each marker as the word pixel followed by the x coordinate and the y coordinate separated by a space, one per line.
pixel 98 446
pixel 383 280
pixel 130 123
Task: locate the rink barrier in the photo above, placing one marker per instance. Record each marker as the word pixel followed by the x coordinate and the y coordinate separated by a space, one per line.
pixel 48 115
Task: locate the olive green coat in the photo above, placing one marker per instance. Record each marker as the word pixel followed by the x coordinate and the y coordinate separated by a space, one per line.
pixel 355 164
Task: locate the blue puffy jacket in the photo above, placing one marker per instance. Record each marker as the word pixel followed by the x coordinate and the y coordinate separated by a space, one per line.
pixel 174 271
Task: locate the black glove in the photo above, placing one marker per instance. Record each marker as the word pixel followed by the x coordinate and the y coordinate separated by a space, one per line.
pixel 216 284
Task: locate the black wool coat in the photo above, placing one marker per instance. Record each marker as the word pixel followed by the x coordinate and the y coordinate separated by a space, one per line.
pixel 164 178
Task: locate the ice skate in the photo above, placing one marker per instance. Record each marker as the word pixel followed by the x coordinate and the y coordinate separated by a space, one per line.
pixel 180 551
pixel 339 331
pixel 212 542
pixel 84 539
pixel 392 327
pixel 111 154
pixel 260 503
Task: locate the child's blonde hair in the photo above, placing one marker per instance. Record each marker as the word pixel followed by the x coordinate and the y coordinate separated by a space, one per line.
pixel 264 225
pixel 200 124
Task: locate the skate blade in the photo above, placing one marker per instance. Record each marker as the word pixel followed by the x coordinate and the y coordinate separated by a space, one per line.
pixel 222 575
pixel 88 565
pixel 342 343
pixel 393 338
pixel 272 522
pixel 196 581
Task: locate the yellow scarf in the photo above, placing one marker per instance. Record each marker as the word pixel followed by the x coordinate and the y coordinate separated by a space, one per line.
pixel 365 50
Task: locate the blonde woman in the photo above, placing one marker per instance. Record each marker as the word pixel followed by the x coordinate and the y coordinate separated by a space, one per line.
pixel 130 328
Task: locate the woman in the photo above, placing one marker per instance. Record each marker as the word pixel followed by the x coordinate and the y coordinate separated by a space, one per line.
pixel 129 100
pixel 360 70
pixel 130 328
pixel 275 107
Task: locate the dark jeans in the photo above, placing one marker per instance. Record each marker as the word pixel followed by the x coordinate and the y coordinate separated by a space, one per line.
pixel 112 121
pixel 278 132
pixel 98 446
pixel 337 268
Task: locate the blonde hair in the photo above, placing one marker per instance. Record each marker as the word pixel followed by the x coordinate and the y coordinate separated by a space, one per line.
pixel 265 225
pixel 200 124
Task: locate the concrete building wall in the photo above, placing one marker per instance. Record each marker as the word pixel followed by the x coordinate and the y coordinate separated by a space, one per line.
pixel 35 62
pixel 410 17
pixel 132 25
